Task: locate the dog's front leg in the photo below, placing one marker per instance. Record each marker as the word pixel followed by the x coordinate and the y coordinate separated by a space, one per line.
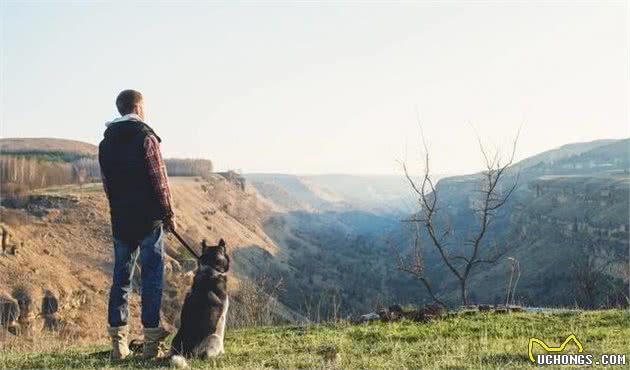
pixel 214 346
pixel 222 321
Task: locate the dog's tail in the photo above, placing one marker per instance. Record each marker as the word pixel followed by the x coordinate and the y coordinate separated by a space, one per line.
pixel 179 362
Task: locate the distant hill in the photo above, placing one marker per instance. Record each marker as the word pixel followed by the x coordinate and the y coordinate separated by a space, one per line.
pixel 292 192
pixel 563 152
pixel 577 158
pixel 32 145
pixel 383 194
pixel 376 193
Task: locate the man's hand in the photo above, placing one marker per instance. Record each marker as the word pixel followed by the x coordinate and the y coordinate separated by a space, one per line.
pixel 169 224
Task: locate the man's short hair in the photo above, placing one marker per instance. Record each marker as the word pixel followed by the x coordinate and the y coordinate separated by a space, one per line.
pixel 127 100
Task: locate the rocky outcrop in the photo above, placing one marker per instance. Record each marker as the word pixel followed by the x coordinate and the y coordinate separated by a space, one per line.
pixel 60 281
pixel 9 313
pixel 7 246
pixel 27 310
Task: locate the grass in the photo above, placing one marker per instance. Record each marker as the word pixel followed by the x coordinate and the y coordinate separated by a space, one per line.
pixel 479 341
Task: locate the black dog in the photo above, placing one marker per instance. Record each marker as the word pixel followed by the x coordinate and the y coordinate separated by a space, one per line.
pixel 203 316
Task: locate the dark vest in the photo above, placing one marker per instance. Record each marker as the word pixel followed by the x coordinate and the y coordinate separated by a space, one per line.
pixel 134 205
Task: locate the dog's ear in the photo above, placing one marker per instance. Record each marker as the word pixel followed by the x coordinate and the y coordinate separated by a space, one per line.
pixel 204 246
pixel 227 262
pixel 223 246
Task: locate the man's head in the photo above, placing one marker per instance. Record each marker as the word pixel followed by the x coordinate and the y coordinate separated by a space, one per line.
pixel 130 101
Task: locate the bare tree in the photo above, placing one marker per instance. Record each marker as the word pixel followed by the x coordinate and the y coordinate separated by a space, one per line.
pixel 476 251
pixel 188 167
pixel 595 287
pixel 515 266
pixel 28 173
pixel 258 300
pixel 414 264
pixel 79 174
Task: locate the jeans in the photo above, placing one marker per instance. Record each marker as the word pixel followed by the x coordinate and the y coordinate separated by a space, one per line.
pixel 152 268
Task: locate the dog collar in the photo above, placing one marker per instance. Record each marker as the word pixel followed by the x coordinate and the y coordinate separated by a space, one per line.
pixel 216 272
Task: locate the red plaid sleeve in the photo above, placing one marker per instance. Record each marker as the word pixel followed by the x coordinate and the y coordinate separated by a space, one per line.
pixel 157 173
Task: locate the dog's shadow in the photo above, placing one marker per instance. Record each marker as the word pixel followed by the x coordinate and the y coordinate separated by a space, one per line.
pixel 133 361
pixel 102 355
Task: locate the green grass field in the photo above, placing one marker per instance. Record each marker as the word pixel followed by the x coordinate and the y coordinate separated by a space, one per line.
pixel 478 341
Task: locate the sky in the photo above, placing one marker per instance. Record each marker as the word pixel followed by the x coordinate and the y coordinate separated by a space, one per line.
pixel 322 87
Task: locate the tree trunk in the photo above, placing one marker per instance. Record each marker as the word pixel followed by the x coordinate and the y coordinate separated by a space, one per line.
pixel 464 292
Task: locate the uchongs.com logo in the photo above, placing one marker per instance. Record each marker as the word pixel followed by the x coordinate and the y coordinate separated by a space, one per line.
pixel 556 356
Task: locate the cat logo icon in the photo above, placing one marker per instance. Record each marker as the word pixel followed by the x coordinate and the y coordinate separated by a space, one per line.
pixel 553 349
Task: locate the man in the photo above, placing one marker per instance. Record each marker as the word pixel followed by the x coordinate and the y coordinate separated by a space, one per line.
pixel 134 179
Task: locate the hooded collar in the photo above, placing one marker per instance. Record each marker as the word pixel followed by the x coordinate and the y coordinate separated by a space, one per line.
pixel 126 117
pixel 127 126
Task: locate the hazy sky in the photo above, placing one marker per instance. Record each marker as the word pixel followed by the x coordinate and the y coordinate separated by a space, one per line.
pixel 321 87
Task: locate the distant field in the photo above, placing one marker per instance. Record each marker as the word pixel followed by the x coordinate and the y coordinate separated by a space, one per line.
pixel 480 341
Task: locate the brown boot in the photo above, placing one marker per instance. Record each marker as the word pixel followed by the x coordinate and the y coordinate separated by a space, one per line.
pixel 120 349
pixel 153 338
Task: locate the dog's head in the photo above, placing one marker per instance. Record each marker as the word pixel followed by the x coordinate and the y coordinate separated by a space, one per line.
pixel 214 257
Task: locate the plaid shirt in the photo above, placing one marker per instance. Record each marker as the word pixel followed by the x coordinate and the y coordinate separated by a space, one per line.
pixel 157 174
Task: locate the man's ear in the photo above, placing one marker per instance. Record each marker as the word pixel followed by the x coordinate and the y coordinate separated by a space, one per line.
pixel 140 110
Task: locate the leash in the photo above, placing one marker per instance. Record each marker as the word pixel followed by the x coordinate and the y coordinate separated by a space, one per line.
pixel 183 242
